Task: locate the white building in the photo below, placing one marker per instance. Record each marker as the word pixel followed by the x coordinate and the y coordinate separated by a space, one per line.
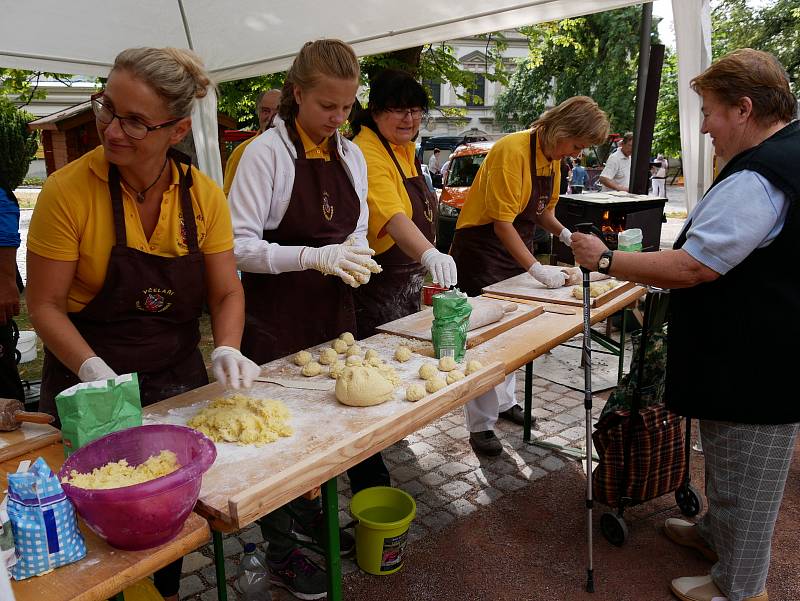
pixel 471 53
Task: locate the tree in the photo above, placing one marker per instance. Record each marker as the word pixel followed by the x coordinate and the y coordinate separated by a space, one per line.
pixel 238 98
pixel 25 84
pixel 667 131
pixel 17 143
pixel 594 55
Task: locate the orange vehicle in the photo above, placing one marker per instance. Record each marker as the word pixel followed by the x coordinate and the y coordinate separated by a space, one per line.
pixel 464 164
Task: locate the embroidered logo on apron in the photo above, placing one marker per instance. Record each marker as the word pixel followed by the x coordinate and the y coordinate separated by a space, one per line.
pixel 154 300
pixel 541 203
pixel 327 207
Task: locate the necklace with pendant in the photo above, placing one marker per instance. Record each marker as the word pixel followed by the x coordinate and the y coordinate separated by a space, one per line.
pixel 140 195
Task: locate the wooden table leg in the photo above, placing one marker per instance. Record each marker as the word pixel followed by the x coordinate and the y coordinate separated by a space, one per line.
pixel 333 560
pixel 526 428
pixel 219 565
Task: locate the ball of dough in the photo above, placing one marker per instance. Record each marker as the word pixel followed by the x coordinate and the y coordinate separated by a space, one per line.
pixel 371 354
pixel 472 366
pixel 447 364
pixel 455 376
pixel 373 361
pixel 336 369
pixel 402 353
pixel 363 387
pixel 415 392
pixel 339 345
pixel 389 373
pixel 348 338
pixel 302 358
pixel 427 371
pixel 354 361
pixel 353 350
pixel 328 356
pixel 434 384
pixel 312 368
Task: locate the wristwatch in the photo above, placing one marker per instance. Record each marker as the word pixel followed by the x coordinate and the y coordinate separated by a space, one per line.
pixel 604 264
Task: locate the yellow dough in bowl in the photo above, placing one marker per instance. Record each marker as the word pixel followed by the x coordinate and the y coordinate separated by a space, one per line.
pixel 117 474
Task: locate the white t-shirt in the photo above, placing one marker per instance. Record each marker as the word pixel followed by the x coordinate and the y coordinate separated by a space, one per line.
pixel 618 170
pixel 433 164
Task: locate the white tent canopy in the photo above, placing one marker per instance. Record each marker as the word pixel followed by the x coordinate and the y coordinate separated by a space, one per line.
pixel 244 38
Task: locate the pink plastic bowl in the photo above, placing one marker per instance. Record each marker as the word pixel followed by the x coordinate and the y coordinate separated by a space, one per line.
pixel 151 513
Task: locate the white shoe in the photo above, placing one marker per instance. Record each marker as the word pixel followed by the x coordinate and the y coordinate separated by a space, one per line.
pixel 702 588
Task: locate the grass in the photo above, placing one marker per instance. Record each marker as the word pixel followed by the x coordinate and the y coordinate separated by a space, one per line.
pixel 32 370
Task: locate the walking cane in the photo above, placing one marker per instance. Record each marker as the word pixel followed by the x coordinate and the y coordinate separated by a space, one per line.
pixel 588 228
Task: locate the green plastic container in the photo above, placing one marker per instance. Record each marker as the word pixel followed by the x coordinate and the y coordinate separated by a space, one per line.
pixel 384 515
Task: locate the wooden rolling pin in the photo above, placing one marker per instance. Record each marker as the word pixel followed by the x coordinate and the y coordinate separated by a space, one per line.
pixel 12 414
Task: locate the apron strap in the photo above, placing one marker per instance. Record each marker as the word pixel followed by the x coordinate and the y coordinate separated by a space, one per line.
pixel 388 148
pixel 115 189
pixel 185 185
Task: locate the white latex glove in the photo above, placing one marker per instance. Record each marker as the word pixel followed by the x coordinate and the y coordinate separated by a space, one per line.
pixel 566 237
pixel 442 267
pixel 549 275
pixel 230 366
pixel 93 369
pixel 369 263
pixel 338 259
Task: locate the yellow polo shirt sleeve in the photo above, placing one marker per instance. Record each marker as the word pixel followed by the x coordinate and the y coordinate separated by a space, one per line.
pixel 386 193
pixel 233 164
pixel 502 187
pixel 73 221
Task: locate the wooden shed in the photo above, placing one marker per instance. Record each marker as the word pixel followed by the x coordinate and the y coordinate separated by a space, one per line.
pixel 71 133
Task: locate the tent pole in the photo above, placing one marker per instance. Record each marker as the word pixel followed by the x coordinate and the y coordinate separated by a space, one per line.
pixel 641 86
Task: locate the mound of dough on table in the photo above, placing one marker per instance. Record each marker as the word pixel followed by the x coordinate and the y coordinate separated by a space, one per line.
pixel 243 419
pixel 117 474
pixel 486 311
pixel 595 289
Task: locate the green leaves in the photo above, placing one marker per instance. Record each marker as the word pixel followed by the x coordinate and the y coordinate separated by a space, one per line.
pixel 17 144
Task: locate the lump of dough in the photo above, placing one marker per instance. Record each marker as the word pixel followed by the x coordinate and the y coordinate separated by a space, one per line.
pixel 389 373
pixel 373 361
pixel 302 358
pixel 354 361
pixel 339 345
pixel 455 376
pixel 447 364
pixel 435 384
pixel 574 276
pixel 328 356
pixel 336 369
pixel 472 366
pixel 243 419
pixel 348 338
pixel 595 289
pixel 363 387
pixel 415 392
pixel 371 354
pixel 353 350
pixel 312 368
pixel 118 473
pixel 402 353
pixel 427 371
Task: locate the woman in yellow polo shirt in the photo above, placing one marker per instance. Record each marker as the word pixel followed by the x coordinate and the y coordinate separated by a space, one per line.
pixel 401 208
pixel 515 191
pixel 128 242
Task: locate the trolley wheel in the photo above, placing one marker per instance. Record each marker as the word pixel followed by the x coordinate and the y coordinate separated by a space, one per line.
pixel 689 500
pixel 614 528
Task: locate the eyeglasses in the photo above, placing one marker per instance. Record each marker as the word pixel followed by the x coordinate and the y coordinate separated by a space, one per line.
pixel 416 113
pixel 130 125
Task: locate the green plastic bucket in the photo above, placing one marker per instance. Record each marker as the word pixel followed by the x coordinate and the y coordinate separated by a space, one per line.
pixel 384 514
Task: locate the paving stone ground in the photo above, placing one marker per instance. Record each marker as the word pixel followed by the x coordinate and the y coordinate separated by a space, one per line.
pixel 437 467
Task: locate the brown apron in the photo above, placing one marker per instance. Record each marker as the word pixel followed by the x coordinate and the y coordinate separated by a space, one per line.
pixel 395 292
pixel 287 312
pixel 145 318
pixel 481 257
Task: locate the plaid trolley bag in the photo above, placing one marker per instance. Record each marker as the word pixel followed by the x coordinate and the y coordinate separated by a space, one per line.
pixel 644 452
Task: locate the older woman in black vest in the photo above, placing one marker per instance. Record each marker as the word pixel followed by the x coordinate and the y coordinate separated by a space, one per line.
pixel 738 246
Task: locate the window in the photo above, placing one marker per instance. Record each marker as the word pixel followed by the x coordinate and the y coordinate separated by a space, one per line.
pixel 435 88
pixel 463 170
pixel 479 89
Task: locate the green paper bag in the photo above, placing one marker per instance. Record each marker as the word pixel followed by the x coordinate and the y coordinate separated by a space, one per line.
pixel 90 410
pixel 451 311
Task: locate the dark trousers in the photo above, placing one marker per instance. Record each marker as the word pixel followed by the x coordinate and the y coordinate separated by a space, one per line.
pixel 10 384
pixel 167 580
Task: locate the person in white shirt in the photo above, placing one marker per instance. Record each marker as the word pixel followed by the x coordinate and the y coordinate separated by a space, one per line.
pixel 660 177
pixel 616 175
pixel 446 169
pixel 433 163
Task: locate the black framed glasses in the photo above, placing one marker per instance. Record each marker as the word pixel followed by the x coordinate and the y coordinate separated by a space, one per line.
pixel 415 113
pixel 132 126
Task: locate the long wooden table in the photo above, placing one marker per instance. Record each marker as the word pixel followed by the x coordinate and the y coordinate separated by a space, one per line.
pixel 105 571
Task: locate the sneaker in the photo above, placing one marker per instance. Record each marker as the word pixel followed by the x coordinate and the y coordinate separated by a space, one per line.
pixel 702 588
pixel 685 534
pixel 514 414
pixel 316 534
pixel 485 443
pixel 299 575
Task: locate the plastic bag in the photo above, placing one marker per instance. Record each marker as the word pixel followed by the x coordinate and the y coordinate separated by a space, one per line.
pixel 7 555
pixel 43 520
pixel 451 311
pixel 90 410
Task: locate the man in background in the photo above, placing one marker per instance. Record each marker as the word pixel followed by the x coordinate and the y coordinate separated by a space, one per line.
pixel 266 109
pixel 10 288
pixel 579 177
pixel 616 175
